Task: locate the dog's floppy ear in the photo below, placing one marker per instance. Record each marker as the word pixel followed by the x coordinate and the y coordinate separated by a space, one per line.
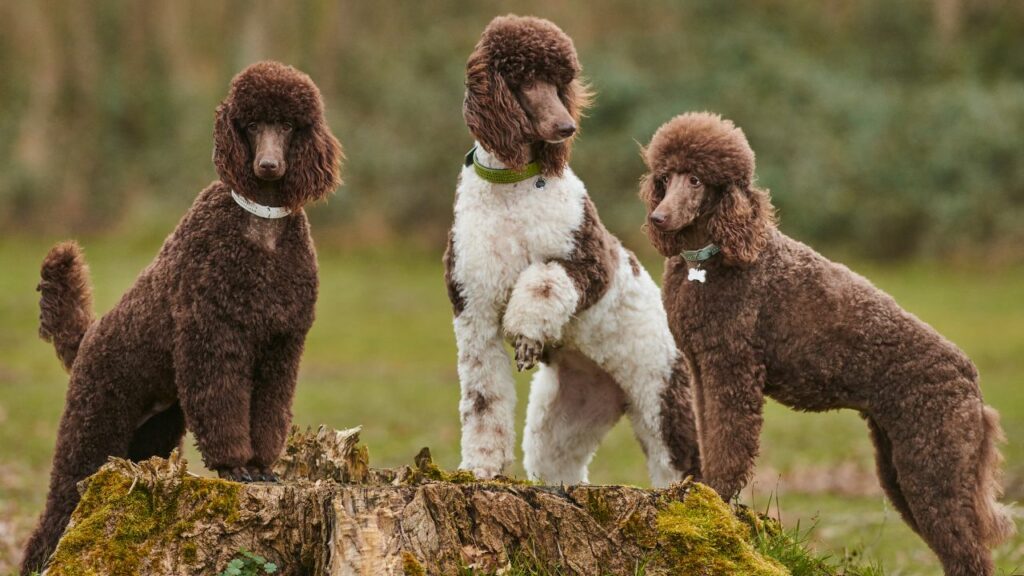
pixel 314 164
pixel 493 114
pixel 578 97
pixel 741 223
pixel 231 153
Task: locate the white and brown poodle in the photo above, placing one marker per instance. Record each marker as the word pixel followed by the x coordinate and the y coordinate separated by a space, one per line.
pixel 529 260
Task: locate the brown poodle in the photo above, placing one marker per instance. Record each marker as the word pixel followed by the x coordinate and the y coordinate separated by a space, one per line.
pixel 210 335
pixel 528 260
pixel 756 312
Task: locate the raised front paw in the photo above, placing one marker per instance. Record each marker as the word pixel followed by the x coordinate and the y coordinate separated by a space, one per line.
pixel 528 352
pixel 236 474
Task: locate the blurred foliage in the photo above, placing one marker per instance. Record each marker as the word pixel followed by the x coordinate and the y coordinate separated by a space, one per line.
pixel 883 128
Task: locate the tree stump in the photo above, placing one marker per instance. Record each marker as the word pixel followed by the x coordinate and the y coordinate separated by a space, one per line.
pixel 332 514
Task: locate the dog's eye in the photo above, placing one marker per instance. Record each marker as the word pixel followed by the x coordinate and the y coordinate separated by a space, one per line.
pixel 694 181
pixel 287 126
pixel 251 127
pixel 663 180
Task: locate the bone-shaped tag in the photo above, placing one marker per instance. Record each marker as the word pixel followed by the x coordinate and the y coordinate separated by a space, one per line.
pixel 697 275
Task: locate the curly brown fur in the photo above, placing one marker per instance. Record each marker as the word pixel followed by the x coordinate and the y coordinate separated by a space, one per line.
pixel 65 303
pixel 776 318
pixel 739 217
pixel 514 52
pixel 211 333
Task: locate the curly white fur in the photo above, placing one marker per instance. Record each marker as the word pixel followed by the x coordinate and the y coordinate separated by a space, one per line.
pixel 615 357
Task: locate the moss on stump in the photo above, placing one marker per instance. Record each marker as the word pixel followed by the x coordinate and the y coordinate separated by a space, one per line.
pixel 155 518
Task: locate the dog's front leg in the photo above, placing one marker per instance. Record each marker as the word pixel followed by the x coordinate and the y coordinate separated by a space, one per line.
pixel 276 373
pixel 542 302
pixel 487 406
pixel 730 402
pixel 213 376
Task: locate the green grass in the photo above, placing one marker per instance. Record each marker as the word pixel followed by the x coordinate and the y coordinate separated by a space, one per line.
pixel 382 355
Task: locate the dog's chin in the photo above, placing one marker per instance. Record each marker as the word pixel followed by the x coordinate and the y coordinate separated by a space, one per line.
pixel 269 176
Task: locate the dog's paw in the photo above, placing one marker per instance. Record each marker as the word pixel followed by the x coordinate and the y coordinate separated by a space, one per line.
pixel 236 474
pixel 485 472
pixel 528 352
pixel 262 474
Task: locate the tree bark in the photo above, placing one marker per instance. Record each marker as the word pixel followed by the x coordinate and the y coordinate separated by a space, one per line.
pixel 332 514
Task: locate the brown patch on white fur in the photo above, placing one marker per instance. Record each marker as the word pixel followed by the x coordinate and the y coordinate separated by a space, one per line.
pixel 678 422
pixel 454 290
pixel 594 259
pixel 634 264
pixel 543 290
pixel 480 402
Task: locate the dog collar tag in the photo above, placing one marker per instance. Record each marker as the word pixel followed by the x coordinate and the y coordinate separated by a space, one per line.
pixel 268 212
pixel 697 275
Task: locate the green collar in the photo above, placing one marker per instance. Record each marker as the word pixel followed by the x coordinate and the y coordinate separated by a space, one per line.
pixel 501 175
pixel 701 255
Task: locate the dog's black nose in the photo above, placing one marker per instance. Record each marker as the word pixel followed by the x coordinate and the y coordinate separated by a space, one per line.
pixel 268 164
pixel 567 129
pixel 657 219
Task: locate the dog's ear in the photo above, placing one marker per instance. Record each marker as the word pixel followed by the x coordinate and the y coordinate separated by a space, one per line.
pixel 314 164
pixel 664 242
pixel 577 98
pixel 741 223
pixel 231 153
pixel 493 114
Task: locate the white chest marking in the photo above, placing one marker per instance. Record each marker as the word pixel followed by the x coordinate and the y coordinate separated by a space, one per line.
pixel 501 229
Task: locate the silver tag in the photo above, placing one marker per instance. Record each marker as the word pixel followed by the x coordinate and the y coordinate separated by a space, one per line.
pixel 697 275
pixel 540 183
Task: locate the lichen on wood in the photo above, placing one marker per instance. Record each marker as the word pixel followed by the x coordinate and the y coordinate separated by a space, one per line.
pixel 332 514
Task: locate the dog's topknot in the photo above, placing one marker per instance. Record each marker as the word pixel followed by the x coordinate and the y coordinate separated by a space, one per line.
pixel 273 92
pixel 704 144
pixel 525 48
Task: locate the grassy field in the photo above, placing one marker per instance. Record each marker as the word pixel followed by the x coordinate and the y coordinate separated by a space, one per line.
pixel 382 355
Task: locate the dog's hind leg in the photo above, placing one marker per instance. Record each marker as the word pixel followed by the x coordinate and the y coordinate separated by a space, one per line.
pixel 573 404
pixel 887 472
pixel 937 451
pixel 94 427
pixel 159 435
pixel 661 412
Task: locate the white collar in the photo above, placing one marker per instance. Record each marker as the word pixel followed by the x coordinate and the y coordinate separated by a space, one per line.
pixel 269 212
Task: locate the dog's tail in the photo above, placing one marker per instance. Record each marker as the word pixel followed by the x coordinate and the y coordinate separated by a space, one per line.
pixel 996 523
pixel 65 307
